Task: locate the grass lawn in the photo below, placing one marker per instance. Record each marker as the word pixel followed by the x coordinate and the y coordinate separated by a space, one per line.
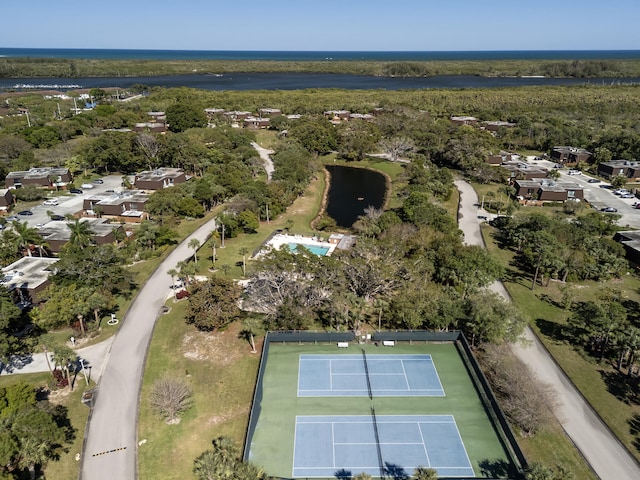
pixel 221 372
pixel 600 383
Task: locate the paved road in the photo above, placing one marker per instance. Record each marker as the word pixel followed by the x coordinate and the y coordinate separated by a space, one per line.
pixel 266 159
pixel 608 458
pixel 110 449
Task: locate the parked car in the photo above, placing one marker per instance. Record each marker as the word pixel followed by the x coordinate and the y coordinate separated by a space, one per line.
pixel 87 185
pixel 594 180
pixel 621 191
pixel 25 213
pixel 51 201
pixel 575 172
pixel 627 195
pixel 12 218
pixel 58 218
pixel 98 181
pixel 76 191
pixel 609 209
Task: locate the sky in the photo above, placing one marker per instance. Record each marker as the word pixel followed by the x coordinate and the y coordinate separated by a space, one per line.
pixel 322 25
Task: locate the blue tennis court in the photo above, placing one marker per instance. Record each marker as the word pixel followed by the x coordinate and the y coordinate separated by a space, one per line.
pixel 325 445
pixel 388 376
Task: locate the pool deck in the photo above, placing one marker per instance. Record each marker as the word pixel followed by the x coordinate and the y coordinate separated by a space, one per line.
pixel 280 239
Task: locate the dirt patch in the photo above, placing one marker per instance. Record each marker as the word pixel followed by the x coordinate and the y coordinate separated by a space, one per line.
pixel 212 346
pixel 217 419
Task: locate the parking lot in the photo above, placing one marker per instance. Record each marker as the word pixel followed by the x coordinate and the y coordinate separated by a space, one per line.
pixel 67 203
pixel 600 195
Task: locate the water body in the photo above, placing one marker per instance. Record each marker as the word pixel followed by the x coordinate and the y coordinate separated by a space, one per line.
pixel 79 53
pixel 351 190
pixel 295 81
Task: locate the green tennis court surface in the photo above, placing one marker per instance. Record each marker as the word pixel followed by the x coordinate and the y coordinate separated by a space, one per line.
pixel 451 433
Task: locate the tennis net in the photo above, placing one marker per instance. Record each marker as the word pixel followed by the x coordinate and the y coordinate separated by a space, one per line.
pixel 375 432
pixel 366 371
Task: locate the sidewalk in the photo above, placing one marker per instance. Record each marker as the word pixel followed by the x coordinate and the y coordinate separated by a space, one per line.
pixel 94 358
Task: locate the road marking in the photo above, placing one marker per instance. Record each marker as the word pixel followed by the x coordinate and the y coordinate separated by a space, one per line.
pixel 109 451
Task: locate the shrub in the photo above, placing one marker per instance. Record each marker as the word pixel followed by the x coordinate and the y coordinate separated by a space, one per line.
pixel 170 397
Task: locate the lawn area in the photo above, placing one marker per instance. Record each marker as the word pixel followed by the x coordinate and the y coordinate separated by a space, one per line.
pixel 600 383
pixel 221 372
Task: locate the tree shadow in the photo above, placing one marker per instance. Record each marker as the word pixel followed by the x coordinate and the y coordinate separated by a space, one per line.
pixel 497 468
pixel 633 311
pixel 343 474
pixel 634 429
pixel 552 330
pixel 395 471
pixel 621 386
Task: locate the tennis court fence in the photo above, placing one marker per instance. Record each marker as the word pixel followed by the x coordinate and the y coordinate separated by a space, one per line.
pixel 503 429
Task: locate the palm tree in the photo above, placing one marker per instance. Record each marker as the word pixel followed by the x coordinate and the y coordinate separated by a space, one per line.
pixel 64 356
pixel 251 327
pixel 173 273
pixel 32 452
pixel 80 233
pixel 423 473
pixel 243 252
pixel 26 236
pixel 195 244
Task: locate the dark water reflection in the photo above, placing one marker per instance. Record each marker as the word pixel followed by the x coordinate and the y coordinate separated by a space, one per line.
pixel 298 81
pixel 351 191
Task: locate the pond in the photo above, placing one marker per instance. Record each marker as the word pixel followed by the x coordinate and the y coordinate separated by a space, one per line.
pixel 351 190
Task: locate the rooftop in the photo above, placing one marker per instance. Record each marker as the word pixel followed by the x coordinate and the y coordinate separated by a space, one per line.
pixel 28 272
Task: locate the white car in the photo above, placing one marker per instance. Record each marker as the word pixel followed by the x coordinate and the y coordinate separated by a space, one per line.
pixel 87 185
pixel 51 201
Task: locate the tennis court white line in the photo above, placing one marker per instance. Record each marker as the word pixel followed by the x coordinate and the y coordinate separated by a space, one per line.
pixel 333 439
pixel 404 373
pixel 463 446
pixel 424 447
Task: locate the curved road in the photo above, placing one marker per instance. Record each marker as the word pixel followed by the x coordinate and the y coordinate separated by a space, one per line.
pixel 111 436
pixel 602 450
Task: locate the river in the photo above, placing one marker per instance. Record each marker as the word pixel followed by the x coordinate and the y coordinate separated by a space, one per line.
pixel 297 81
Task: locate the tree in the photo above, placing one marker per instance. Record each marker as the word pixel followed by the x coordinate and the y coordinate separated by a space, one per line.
pixel 195 244
pixel 170 397
pixel 184 115
pixel 80 233
pixel 243 251
pixel 150 147
pixel 173 273
pixel 63 357
pixel 26 236
pixel 397 146
pixel 619 181
pixel 423 473
pixel 251 325
pixel 213 304
pixel 30 433
pixel 223 462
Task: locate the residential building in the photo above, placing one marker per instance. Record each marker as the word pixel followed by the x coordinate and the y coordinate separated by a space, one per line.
pixel 127 206
pixel 626 168
pixel 269 112
pixel 159 178
pixel 524 171
pixel 495 125
pixel 630 240
pixel 499 159
pixel 546 190
pixel 464 120
pixel 255 123
pixel 58 234
pixel 6 200
pixel 570 155
pixel 26 278
pixel 47 177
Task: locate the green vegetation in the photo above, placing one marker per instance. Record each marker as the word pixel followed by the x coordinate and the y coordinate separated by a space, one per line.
pixel 408 270
pixel 70 68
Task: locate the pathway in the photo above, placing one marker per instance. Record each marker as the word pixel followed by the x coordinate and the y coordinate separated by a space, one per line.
pixel 266 159
pixel 602 450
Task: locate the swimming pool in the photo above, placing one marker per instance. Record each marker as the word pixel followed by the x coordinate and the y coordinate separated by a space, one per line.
pixel 315 249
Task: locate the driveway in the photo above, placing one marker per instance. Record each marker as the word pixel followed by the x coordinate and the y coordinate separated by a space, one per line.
pixel 110 447
pixel 602 450
pixel 266 159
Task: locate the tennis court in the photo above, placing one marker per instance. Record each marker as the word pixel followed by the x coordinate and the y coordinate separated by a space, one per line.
pixel 315 416
pixel 326 445
pixel 354 375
